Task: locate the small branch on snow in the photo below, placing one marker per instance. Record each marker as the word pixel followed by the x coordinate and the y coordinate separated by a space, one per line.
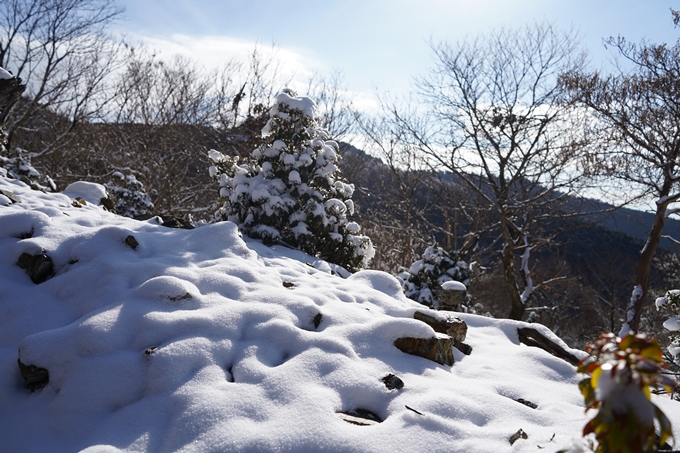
pixel 413 410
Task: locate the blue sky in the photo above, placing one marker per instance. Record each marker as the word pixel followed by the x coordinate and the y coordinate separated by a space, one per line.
pixel 376 43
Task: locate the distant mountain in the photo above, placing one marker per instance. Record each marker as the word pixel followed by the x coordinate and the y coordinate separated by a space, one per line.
pixel 632 222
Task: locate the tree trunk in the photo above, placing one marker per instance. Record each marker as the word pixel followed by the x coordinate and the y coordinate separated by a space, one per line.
pixel 639 296
pixel 508 261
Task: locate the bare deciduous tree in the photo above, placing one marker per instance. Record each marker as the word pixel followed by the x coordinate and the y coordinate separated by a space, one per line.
pixel 414 205
pixel 61 50
pixel 334 104
pixel 493 119
pixel 639 112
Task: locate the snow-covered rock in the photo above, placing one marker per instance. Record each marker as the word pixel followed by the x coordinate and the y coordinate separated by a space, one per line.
pixel 453 285
pixel 91 192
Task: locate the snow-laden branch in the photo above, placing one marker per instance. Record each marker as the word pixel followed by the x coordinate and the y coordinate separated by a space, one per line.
pixel 528 283
pixel 670 238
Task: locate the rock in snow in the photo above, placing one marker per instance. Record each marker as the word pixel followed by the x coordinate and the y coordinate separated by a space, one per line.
pixel 186 340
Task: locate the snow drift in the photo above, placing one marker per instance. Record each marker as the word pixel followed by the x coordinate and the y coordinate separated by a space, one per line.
pixel 204 341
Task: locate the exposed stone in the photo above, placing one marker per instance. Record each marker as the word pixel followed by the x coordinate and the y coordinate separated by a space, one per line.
pixel 108 204
pixel 26 235
pixel 176 298
pixel 392 382
pixel 520 434
pixel 288 284
pixel 317 320
pixel 532 337
pixel 437 349
pixel 527 403
pixel 12 197
pixel 360 417
pixel 39 266
pixel 462 347
pixel 131 242
pixel 449 325
pixel 168 221
pixel 150 351
pixel 35 378
pixel 176 222
pixel 451 300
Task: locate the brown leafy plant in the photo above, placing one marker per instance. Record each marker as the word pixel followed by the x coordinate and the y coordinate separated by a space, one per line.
pixel 621 372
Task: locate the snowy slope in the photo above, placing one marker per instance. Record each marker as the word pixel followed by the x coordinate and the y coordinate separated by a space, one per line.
pixel 191 342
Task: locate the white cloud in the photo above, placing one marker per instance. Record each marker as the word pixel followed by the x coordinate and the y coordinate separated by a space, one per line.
pixel 215 51
pixel 297 66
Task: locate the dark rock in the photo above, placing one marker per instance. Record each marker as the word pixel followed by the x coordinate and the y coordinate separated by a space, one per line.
pixel 176 298
pixel 176 222
pixel 437 349
pixel 462 347
pixel 169 221
pixel 13 198
pixel 532 337
pixel 35 378
pixel 108 204
pixel 451 300
pixel 317 320
pixel 360 417
pixel 392 382
pixel 527 403
pixel 39 267
pixel 131 242
pixel 78 202
pixel 26 235
pixel 450 325
pixel 288 284
pixel 520 434
pixel 150 351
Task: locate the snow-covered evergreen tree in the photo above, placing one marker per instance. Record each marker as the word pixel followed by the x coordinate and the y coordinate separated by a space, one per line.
pixel 19 167
pixel 290 190
pixel 130 199
pixel 422 281
pixel 670 303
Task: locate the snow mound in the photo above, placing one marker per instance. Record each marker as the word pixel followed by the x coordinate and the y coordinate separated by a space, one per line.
pixel 202 341
pixel 89 191
pixel 453 285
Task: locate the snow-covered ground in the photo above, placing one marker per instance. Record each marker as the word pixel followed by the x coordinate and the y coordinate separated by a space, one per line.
pixel 202 341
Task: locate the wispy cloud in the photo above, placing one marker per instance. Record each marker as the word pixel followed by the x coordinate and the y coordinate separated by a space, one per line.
pixel 215 51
